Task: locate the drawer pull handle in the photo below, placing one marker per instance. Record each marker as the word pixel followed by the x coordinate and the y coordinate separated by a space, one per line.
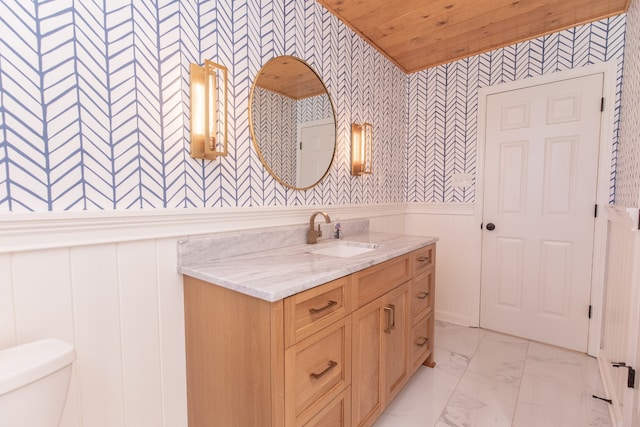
pixel 390 311
pixel 424 259
pixel 422 295
pixel 331 365
pixel 320 310
pixel 422 341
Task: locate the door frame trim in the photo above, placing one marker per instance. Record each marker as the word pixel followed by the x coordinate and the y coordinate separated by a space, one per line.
pixel 609 71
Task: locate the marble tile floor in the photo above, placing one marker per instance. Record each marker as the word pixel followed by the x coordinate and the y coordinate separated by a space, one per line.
pixel 487 379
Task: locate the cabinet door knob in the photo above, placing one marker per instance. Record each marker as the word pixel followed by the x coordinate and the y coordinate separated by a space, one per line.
pixel 330 366
pixel 422 295
pixel 320 310
pixel 422 341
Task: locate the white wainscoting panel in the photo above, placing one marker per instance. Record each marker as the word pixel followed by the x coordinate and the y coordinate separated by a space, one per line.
pixel 389 224
pixel 171 322
pixel 7 314
pixel 119 301
pixel 98 370
pixel 620 324
pixel 457 260
pixel 137 276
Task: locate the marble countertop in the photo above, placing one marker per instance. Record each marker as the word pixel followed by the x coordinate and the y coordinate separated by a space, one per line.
pixel 277 273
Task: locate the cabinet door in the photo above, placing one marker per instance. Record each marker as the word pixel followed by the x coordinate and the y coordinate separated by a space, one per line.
pixel 395 338
pixel 366 381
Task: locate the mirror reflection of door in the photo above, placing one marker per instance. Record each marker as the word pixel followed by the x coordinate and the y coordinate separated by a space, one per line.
pixel 315 150
pixel 286 94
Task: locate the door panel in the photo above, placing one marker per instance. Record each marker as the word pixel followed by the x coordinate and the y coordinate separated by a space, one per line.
pixel 513 179
pixel 559 180
pixel 541 161
pixel 510 265
pixel 555 292
pixel 317 142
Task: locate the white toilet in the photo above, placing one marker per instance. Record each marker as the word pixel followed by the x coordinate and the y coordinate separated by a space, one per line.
pixel 34 379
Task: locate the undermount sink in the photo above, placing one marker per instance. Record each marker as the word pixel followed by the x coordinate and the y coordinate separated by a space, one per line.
pixel 344 249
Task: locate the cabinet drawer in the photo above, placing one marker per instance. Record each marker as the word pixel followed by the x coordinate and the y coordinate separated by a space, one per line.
pixel 310 311
pixel 421 341
pixel 422 294
pixel 317 369
pixel 423 259
pixel 335 414
pixel 376 281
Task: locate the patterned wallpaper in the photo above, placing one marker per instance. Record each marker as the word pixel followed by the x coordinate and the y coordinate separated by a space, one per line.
pixel 274 125
pixel 443 102
pixel 94 99
pixel 628 171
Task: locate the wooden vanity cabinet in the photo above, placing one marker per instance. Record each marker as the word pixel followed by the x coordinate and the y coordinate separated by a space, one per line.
pixel 235 357
pixel 379 352
pixel 332 356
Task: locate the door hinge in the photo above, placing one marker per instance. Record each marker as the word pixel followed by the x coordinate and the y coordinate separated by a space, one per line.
pixel 301 145
pixel 595 211
pixel 590 310
pixel 631 376
pixel 602 104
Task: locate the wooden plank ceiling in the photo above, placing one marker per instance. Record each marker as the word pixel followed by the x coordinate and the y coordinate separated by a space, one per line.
pixel 418 34
pixel 290 77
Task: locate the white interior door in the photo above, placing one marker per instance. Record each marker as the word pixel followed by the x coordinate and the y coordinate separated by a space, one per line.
pixel 315 151
pixel 541 164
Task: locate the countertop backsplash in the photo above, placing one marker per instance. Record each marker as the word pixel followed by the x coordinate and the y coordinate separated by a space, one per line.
pixel 199 250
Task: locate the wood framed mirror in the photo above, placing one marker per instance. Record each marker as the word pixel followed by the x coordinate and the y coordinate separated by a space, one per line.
pixel 292 122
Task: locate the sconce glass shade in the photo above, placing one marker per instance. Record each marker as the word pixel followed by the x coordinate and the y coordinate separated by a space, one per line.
pixel 361 136
pixel 208 110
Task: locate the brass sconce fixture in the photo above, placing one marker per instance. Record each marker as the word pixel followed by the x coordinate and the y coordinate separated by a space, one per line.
pixel 361 148
pixel 208 108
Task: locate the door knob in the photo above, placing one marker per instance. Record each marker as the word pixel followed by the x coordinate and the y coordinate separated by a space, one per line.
pixel 491 226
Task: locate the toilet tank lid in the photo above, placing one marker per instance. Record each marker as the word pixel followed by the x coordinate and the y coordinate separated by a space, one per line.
pixel 23 364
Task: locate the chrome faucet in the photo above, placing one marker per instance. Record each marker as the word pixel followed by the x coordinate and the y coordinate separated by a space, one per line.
pixel 312 233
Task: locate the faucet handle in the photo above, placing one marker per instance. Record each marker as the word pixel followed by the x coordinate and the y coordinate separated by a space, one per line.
pixel 337 232
pixel 319 234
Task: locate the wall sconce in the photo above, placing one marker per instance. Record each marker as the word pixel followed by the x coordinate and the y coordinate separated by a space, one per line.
pixel 208 106
pixel 361 148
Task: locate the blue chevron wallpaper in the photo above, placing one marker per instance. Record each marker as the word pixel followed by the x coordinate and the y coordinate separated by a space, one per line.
pixel 94 100
pixel 277 143
pixel 628 167
pixel 443 102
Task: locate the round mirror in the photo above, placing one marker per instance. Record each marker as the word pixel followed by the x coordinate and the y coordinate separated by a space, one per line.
pixel 292 122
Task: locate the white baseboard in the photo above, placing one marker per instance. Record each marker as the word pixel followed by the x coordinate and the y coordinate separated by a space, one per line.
pixel 454 318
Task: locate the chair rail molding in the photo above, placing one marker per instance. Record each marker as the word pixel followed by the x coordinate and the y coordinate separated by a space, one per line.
pixel 34 231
